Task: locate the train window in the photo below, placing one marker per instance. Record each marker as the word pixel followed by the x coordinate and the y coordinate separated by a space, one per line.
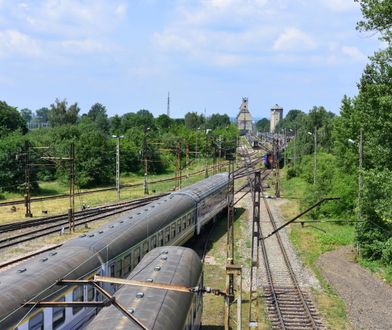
pixel 127 264
pixel 58 315
pixel 136 256
pixel 37 322
pixel 160 238
pixel 153 242
pixel 77 295
pixel 145 248
pixel 90 293
pixel 173 230
pixel 189 219
pixel 117 269
pixel 112 270
pixel 184 223
pixel 179 226
pixel 167 235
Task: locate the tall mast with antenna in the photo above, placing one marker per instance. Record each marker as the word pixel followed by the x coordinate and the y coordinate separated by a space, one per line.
pixel 168 104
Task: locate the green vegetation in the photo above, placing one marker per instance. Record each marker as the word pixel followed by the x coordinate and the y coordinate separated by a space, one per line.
pixel 158 140
pixel 338 143
pixel 311 241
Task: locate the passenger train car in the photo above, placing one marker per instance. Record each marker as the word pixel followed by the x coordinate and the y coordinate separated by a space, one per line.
pixel 158 308
pixel 112 250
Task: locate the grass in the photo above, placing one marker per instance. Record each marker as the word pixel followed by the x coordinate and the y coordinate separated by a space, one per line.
pixel 380 270
pixel 60 206
pixel 311 242
pixel 214 274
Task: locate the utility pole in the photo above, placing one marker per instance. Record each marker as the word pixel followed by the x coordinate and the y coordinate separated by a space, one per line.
pixel 118 137
pixel 276 167
pixel 220 153
pixel 187 159
pixel 145 184
pixel 360 166
pixel 71 210
pixel 314 134
pixel 231 269
pixel 168 104
pixel 206 154
pixel 178 166
pixel 255 248
pixel 27 194
pixel 197 152
pixel 315 156
pixel 295 146
pixel 214 162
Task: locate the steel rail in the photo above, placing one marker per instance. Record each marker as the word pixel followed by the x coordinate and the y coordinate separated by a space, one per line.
pixel 91 211
pixel 28 236
pixel 293 278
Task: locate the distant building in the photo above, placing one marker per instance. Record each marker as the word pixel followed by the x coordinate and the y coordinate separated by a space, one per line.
pixel 244 118
pixel 276 116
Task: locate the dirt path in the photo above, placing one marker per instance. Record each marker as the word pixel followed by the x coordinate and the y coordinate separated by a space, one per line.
pixel 368 299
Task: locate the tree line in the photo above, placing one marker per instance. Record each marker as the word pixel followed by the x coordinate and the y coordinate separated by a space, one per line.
pixel 142 135
pixel 338 137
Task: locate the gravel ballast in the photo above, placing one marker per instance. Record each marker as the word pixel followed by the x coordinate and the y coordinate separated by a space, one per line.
pixel 367 298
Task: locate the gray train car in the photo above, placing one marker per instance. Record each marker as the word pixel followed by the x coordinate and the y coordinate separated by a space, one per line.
pixel 158 309
pixel 112 250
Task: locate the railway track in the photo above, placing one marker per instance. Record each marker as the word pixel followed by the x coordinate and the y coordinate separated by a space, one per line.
pixel 288 305
pixel 15 233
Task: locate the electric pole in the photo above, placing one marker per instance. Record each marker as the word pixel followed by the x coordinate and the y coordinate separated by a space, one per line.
pixel 178 166
pixel 276 166
pixel 220 153
pixel 118 137
pixel 187 159
pixel 206 155
pixel 145 160
pixel 27 194
pixel 71 210
pixel 315 155
pixel 168 104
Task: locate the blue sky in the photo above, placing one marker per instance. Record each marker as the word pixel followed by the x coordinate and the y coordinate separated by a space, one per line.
pixel 209 54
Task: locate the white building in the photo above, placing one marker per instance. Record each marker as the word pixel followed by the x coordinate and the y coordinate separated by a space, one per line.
pixel 244 118
pixel 276 116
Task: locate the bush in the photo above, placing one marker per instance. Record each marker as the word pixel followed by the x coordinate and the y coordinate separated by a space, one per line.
pixel 387 252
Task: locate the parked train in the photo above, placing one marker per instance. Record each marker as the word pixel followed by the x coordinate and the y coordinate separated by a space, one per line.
pixel 268 160
pixel 158 308
pixel 112 250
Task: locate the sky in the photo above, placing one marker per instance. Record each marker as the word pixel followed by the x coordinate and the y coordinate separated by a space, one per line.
pixel 127 55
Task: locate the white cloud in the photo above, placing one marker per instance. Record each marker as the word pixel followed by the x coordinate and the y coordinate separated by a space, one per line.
pixel 65 18
pixel 354 53
pixel 13 43
pixel 340 5
pixel 85 46
pixel 293 39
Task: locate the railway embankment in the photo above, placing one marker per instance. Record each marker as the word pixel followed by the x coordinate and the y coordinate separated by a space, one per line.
pixel 367 298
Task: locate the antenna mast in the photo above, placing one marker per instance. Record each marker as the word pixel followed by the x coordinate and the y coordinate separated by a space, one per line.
pixel 168 104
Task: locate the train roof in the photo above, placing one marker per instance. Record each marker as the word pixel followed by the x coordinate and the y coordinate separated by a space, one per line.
pixel 155 308
pixel 205 187
pixel 82 255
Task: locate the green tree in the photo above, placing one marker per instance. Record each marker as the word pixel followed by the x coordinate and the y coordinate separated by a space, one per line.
pixel 263 125
pixel 115 125
pixel 193 120
pixel 61 114
pixel 97 114
pixel 26 114
pixel 377 16
pixel 10 119
pixel 217 120
pixel 164 122
pixel 42 115
pixel 12 164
